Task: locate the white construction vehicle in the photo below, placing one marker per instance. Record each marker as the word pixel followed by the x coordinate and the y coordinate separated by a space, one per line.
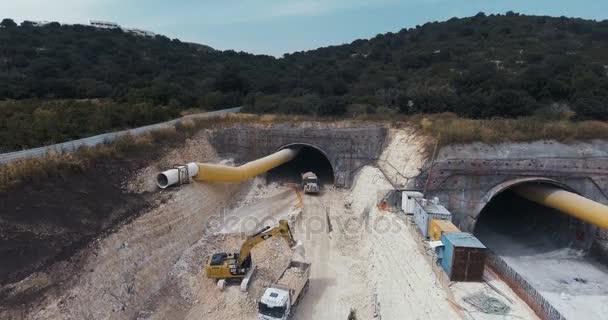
pixel 280 299
pixel 310 183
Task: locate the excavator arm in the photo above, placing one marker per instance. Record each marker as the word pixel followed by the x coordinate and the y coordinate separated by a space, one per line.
pixel 281 230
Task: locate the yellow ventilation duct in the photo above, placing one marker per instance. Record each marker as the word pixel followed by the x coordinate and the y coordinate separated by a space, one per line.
pixel 566 202
pixel 217 172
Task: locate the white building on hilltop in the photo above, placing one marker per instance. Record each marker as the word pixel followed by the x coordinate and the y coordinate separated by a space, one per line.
pixel 104 24
pixel 37 23
pixel 140 32
pixel 113 25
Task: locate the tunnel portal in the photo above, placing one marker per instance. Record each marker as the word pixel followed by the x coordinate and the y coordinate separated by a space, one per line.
pixel 547 248
pixel 511 225
pixel 309 158
pixel 551 260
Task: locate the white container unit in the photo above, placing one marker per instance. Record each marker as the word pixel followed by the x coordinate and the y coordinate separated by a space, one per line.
pixel 425 210
pixel 408 201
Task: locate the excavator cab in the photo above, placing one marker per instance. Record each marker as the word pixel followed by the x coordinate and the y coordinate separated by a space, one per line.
pixel 225 266
pixel 218 259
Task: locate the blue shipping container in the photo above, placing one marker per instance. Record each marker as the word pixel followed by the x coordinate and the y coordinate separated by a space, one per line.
pixel 462 256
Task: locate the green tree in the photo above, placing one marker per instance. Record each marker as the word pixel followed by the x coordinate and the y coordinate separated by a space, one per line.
pixel 8 23
pixel 332 106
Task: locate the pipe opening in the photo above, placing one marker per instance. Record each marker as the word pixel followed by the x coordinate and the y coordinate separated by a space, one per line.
pixel 162 181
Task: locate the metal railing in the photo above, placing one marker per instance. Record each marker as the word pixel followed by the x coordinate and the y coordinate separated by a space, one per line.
pixel 73 145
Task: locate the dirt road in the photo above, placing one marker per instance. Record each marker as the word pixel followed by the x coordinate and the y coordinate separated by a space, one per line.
pixel 263 210
pixel 337 282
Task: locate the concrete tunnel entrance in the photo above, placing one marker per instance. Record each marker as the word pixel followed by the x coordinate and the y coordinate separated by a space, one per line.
pixel 509 218
pixel 545 246
pixel 309 158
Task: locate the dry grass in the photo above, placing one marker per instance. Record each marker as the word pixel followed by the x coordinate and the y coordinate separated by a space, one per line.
pixel 264 119
pixel 33 169
pixel 186 126
pixel 449 129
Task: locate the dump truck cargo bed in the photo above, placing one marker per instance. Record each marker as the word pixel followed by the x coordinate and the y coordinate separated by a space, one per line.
pixel 294 278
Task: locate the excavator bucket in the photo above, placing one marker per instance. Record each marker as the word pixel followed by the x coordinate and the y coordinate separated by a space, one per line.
pixel 299 253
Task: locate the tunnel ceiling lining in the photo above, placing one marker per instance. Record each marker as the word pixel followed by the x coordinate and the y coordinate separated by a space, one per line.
pixel 496 190
pixel 304 144
pixel 297 144
pixel 326 175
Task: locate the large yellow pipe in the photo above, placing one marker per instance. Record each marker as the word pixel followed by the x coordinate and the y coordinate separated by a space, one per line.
pixel 566 202
pixel 216 172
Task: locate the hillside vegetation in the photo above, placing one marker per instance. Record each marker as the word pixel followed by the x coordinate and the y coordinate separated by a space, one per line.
pixel 479 67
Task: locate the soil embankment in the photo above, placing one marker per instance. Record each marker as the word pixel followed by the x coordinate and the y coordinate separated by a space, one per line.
pixel 47 220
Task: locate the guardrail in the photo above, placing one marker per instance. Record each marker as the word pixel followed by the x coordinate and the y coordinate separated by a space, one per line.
pixel 73 145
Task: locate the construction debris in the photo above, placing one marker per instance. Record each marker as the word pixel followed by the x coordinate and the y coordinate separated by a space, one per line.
pixel 291 277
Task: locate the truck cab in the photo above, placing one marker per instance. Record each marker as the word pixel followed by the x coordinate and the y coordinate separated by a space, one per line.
pixel 310 182
pixel 274 304
pixel 280 299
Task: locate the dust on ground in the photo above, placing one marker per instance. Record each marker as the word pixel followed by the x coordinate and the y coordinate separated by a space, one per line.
pixel 398 273
pixel 263 205
pixel 117 273
pixel 189 294
pixel 339 268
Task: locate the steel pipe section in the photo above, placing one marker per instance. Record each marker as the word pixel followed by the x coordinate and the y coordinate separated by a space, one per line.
pixel 222 173
pixel 172 176
pixel 565 201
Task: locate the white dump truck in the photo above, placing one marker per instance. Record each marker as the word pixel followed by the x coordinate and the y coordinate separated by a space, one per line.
pixel 280 299
pixel 310 182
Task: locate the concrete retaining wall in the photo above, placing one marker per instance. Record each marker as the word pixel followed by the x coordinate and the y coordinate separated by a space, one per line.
pixel 523 289
pixel 347 149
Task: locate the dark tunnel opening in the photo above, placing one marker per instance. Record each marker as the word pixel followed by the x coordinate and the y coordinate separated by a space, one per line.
pixel 547 247
pixel 308 159
pixel 512 225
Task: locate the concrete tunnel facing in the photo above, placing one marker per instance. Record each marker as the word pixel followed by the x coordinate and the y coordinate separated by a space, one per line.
pixel 308 158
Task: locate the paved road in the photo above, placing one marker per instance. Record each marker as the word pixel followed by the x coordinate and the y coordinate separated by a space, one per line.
pixel 106 137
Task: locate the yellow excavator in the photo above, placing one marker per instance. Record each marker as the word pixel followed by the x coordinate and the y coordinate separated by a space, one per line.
pixel 238 266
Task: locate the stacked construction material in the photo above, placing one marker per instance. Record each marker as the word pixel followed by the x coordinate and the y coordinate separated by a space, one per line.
pixel 426 210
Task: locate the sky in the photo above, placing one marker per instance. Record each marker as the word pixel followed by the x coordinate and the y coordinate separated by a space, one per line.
pixel 275 27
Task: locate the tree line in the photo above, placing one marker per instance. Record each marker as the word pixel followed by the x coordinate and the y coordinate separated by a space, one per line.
pixel 479 67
